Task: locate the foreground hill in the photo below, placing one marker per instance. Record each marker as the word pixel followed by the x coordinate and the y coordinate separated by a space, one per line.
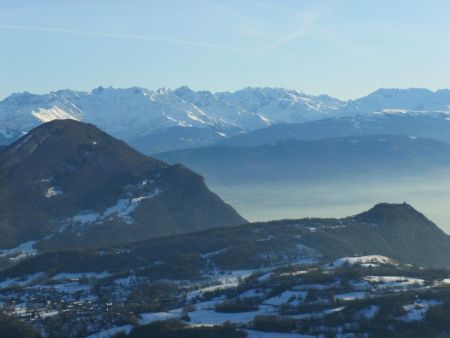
pixel 309 276
pixel 394 230
pixel 68 184
pixel 298 160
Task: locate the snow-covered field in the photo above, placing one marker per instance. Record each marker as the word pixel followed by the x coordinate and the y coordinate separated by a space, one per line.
pixel 290 292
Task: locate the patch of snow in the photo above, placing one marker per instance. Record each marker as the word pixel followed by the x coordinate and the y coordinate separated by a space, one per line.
pixel 52 192
pixel 218 318
pixel 418 310
pixel 383 282
pixel 123 209
pixel 147 318
pixel 360 285
pixel 350 296
pixel 195 118
pixel 126 281
pixel 50 114
pixel 214 253
pixel 369 259
pixel 395 111
pixel 20 252
pixel 221 281
pixel 112 331
pixel 47 314
pixel 86 217
pixel 368 313
pixel 71 288
pixel 21 282
pixel 294 273
pixel 200 292
pixel 209 304
pixel 77 276
pixel 265 277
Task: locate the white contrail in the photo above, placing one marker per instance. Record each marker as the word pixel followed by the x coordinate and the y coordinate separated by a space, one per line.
pixel 127 36
pixel 306 22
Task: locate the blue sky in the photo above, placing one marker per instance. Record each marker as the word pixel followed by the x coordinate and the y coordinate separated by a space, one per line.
pixel 345 48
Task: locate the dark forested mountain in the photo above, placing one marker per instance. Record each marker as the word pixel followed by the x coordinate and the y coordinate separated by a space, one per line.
pixel 433 125
pixel 305 160
pixel 394 230
pixel 68 184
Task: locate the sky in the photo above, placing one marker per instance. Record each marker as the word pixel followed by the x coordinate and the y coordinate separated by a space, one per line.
pixel 344 48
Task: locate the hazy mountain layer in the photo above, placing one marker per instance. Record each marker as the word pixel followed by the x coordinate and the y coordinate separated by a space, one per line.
pixel 430 125
pixel 303 161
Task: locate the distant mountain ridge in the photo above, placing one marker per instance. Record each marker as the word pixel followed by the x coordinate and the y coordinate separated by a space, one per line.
pixel 308 160
pixel 144 118
pixel 68 184
pixel 431 125
pixel 401 100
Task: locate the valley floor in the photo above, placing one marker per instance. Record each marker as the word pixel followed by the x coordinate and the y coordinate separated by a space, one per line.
pixel 350 297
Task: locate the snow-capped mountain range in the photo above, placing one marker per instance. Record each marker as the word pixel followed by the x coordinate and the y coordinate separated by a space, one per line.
pixel 184 118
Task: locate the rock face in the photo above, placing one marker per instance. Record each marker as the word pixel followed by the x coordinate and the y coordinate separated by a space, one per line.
pixel 68 184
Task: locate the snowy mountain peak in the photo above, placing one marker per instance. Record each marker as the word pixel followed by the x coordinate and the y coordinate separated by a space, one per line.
pixel 135 113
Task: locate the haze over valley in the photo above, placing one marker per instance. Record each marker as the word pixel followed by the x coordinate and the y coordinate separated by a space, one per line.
pixel 253 143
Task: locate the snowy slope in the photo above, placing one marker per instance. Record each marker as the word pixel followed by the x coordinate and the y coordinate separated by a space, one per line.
pixel 413 100
pixel 20 113
pixel 283 105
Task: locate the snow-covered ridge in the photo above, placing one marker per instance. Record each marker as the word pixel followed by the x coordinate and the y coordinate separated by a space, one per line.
pixel 133 112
